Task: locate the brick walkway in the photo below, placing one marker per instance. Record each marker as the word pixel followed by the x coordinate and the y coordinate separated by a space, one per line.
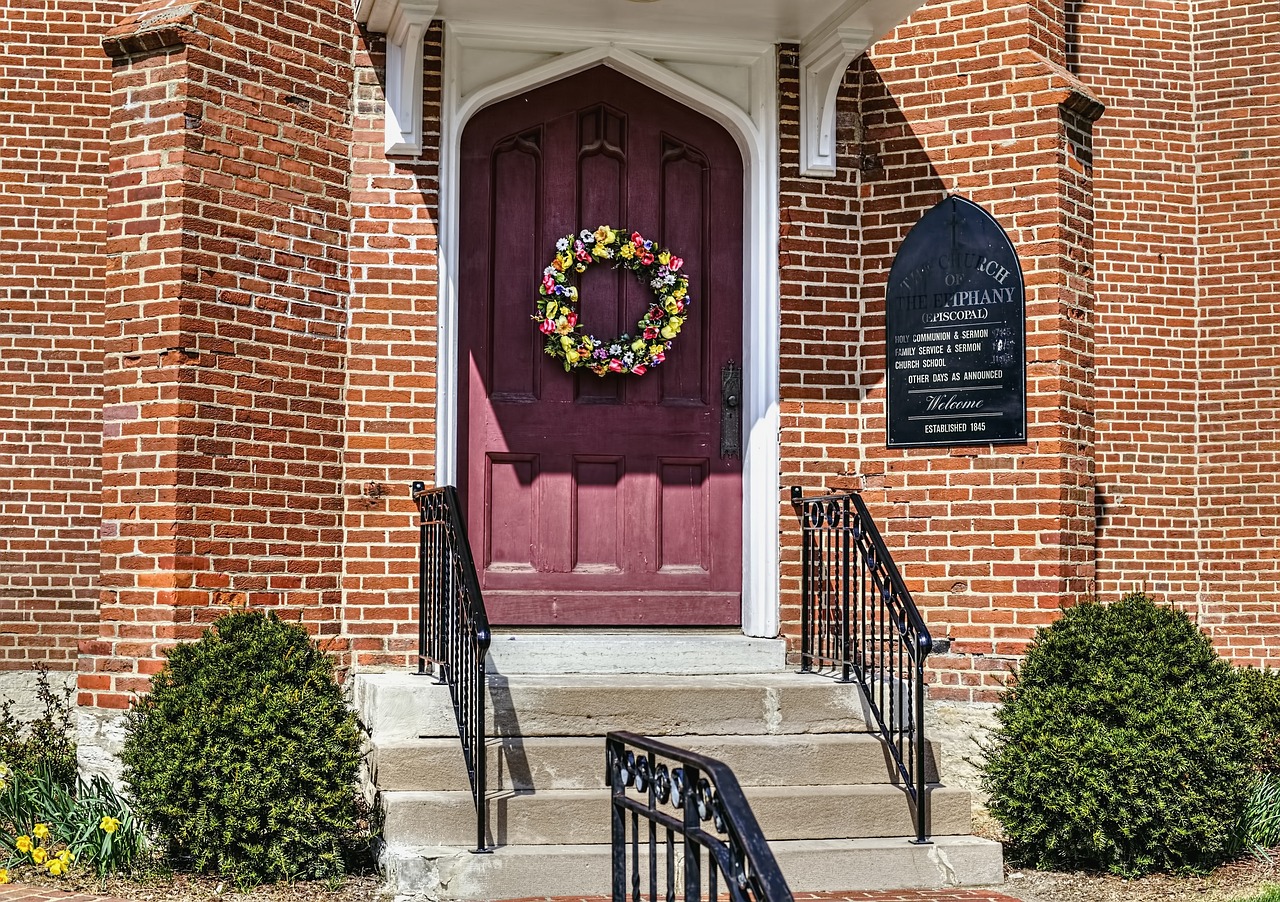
pixel 44 894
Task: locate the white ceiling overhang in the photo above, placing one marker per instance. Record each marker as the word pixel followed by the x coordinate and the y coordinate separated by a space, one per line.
pixel 831 33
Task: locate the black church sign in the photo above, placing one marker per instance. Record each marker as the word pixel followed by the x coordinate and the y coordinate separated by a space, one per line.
pixel 956 333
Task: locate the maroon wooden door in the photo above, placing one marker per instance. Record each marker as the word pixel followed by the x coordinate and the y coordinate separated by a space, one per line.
pixel 599 500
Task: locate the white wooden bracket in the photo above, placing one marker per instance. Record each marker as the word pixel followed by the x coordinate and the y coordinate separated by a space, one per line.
pixel 824 58
pixel 405 24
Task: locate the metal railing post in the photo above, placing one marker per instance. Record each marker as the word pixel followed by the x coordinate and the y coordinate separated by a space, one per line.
pixel 453 630
pixel 696 800
pixel 849 578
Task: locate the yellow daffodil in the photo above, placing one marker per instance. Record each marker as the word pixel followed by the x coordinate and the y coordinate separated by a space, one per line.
pixel 566 260
pixel 23 844
pixel 109 824
pixel 41 831
pixel 4 876
pixel 600 250
pixel 38 854
pixel 606 235
pixel 664 258
pixel 669 331
pixel 671 305
pixel 66 857
pixel 56 868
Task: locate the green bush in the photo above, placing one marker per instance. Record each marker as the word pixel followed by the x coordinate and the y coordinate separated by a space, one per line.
pixel 1261 691
pixel 45 744
pixel 244 756
pixel 1123 745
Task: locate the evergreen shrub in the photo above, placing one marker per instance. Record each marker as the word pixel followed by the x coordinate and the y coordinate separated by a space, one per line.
pixel 243 756
pixel 1123 745
pixel 1262 699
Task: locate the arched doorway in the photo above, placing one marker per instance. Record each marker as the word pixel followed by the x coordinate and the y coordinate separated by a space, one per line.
pixel 599 500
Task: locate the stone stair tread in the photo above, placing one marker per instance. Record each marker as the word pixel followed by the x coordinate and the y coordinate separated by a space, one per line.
pixel 577 762
pixel 601 651
pixel 569 816
pixel 404 705
pixel 453 873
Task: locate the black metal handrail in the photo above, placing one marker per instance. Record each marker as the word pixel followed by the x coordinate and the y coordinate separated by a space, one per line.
pixel 681 793
pixel 858 618
pixel 453 628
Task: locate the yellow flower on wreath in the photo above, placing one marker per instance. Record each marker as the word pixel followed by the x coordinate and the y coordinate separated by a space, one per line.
pixel 109 824
pixel 23 844
pixel 41 831
pixel 38 854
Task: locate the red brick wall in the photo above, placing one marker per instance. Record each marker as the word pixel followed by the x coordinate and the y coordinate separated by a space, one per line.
pixel 1138 59
pixel 54 102
pixel 391 382
pixel 965 97
pixel 1238 141
pixel 226 314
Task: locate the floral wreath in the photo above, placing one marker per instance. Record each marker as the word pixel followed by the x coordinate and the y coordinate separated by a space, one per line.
pixel 557 315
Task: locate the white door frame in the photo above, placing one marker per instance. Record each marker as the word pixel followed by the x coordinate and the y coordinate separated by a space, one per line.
pixel 733 83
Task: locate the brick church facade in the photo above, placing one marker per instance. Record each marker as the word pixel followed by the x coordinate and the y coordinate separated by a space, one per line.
pixel 229 341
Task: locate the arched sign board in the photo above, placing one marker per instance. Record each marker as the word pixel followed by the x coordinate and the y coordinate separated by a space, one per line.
pixel 955 333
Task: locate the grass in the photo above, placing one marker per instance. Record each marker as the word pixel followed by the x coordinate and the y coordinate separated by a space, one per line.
pixel 1268 894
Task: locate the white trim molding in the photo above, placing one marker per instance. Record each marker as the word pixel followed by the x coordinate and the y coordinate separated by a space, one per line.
pixel 733 83
pixel 405 24
pixel 824 59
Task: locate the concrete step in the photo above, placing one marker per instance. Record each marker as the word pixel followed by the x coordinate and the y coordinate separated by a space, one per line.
pixel 674 652
pixel 401 706
pixel 578 762
pixel 446 874
pixel 560 816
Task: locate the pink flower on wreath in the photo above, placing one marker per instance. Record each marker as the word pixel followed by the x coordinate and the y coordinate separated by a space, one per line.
pixel 639 370
pixel 548 283
pixel 637 240
pixel 658 358
pixel 650 334
pixel 572 320
pixel 615 366
pixel 675 264
pixel 547 326
pixel 583 255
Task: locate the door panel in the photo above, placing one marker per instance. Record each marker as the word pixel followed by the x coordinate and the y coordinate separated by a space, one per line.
pixel 599 500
